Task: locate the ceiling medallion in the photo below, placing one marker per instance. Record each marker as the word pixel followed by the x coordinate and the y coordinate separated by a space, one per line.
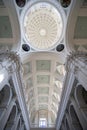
pixel 43 25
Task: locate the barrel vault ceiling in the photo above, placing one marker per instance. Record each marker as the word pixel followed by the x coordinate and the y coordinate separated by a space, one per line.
pixel 43 76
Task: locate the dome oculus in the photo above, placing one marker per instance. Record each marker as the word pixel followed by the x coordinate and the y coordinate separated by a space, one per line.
pixel 43 25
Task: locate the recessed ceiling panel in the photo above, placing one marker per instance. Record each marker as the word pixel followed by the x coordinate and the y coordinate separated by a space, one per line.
pixel 1 4
pixel 84 3
pixel 43 90
pixel 81 28
pixel 42 99
pixel 43 106
pixel 43 65
pixel 6 46
pixel 5 27
pixel 43 79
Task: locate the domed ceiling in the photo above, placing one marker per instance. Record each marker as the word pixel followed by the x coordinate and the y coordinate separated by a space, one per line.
pixel 43 25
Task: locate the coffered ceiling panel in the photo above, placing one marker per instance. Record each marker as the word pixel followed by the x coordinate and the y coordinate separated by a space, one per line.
pixel 1 4
pixel 43 106
pixel 85 3
pixel 5 47
pixel 43 79
pixel 81 28
pixel 5 27
pixel 43 65
pixel 43 99
pixel 43 90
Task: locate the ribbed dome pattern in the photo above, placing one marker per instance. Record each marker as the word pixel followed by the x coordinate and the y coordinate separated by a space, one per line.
pixel 43 26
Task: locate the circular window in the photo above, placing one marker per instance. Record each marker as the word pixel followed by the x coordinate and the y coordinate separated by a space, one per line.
pixel 21 3
pixel 25 47
pixel 43 25
pixel 60 47
pixel 65 3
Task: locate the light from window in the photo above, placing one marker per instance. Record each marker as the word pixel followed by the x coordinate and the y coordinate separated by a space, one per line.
pixel 1 77
pixel 42 122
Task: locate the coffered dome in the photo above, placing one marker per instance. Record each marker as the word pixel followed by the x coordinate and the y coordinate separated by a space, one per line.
pixel 42 25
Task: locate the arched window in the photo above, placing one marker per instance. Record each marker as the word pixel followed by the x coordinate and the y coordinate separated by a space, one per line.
pixel 24 127
pixel 81 96
pixel 74 119
pixel 84 95
pixel 19 124
pixel 81 99
pixel 12 118
pixel 5 96
pixel 67 125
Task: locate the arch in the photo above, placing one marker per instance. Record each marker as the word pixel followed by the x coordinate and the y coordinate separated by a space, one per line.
pixel 74 119
pixel 24 127
pixel 5 96
pixel 81 99
pixel 71 26
pixel 19 124
pixel 5 99
pixel 81 96
pixel 12 118
pixel 67 125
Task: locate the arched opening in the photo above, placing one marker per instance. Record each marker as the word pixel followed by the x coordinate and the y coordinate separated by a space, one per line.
pixel 81 96
pixel 19 124
pixel 5 98
pixel 74 119
pixel 84 95
pixel 12 118
pixel 67 125
pixel 24 127
pixel 81 99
